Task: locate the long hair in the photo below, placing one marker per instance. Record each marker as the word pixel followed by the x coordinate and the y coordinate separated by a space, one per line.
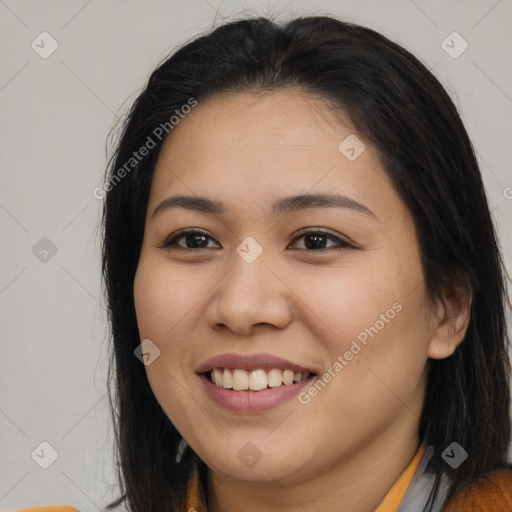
pixel 395 102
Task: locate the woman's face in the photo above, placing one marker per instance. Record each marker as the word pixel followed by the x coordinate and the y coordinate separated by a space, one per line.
pixel 250 295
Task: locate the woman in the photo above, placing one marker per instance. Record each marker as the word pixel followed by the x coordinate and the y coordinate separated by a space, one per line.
pixel 299 252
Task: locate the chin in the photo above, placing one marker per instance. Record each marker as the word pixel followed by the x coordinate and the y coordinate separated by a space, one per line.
pixel 254 462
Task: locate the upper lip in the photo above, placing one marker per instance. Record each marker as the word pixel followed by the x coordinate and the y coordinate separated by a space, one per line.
pixel 251 362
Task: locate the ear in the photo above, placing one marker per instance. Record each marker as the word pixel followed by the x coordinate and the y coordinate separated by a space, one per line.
pixel 451 319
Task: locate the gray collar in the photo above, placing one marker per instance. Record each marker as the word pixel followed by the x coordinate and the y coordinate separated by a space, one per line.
pixel 421 489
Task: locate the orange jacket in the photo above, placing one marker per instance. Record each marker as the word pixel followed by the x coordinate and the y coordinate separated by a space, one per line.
pixel 492 494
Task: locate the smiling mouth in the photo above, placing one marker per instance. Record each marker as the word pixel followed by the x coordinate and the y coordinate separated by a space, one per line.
pixel 255 380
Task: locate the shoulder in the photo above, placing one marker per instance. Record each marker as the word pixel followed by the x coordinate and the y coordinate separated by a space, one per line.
pixel 491 493
pixel 49 508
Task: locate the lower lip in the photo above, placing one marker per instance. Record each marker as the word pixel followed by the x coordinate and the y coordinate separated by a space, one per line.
pixel 253 401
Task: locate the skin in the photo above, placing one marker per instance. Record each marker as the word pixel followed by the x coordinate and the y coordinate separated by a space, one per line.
pixel 346 447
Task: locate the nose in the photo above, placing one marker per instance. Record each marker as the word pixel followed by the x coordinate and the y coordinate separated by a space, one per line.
pixel 250 295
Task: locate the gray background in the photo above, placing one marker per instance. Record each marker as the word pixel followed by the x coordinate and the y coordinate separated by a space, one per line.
pixel 56 115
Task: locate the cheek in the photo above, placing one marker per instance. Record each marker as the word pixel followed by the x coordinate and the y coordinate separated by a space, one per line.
pixel 373 318
pixel 164 300
pixel 376 345
pixel 165 305
pixel 346 301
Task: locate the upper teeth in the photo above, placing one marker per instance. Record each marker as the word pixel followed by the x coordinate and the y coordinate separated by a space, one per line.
pixel 255 380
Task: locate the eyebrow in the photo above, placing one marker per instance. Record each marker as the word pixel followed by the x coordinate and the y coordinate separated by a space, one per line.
pixel 281 206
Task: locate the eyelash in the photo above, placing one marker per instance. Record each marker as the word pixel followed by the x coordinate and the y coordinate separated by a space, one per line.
pixel 342 244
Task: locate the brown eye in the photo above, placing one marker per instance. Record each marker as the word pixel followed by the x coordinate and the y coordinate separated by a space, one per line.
pixel 318 240
pixel 189 240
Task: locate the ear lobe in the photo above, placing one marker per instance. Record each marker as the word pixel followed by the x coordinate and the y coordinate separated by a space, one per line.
pixel 451 323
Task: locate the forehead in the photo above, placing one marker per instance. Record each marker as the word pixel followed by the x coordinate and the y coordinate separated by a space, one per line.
pixel 260 146
pixel 285 119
